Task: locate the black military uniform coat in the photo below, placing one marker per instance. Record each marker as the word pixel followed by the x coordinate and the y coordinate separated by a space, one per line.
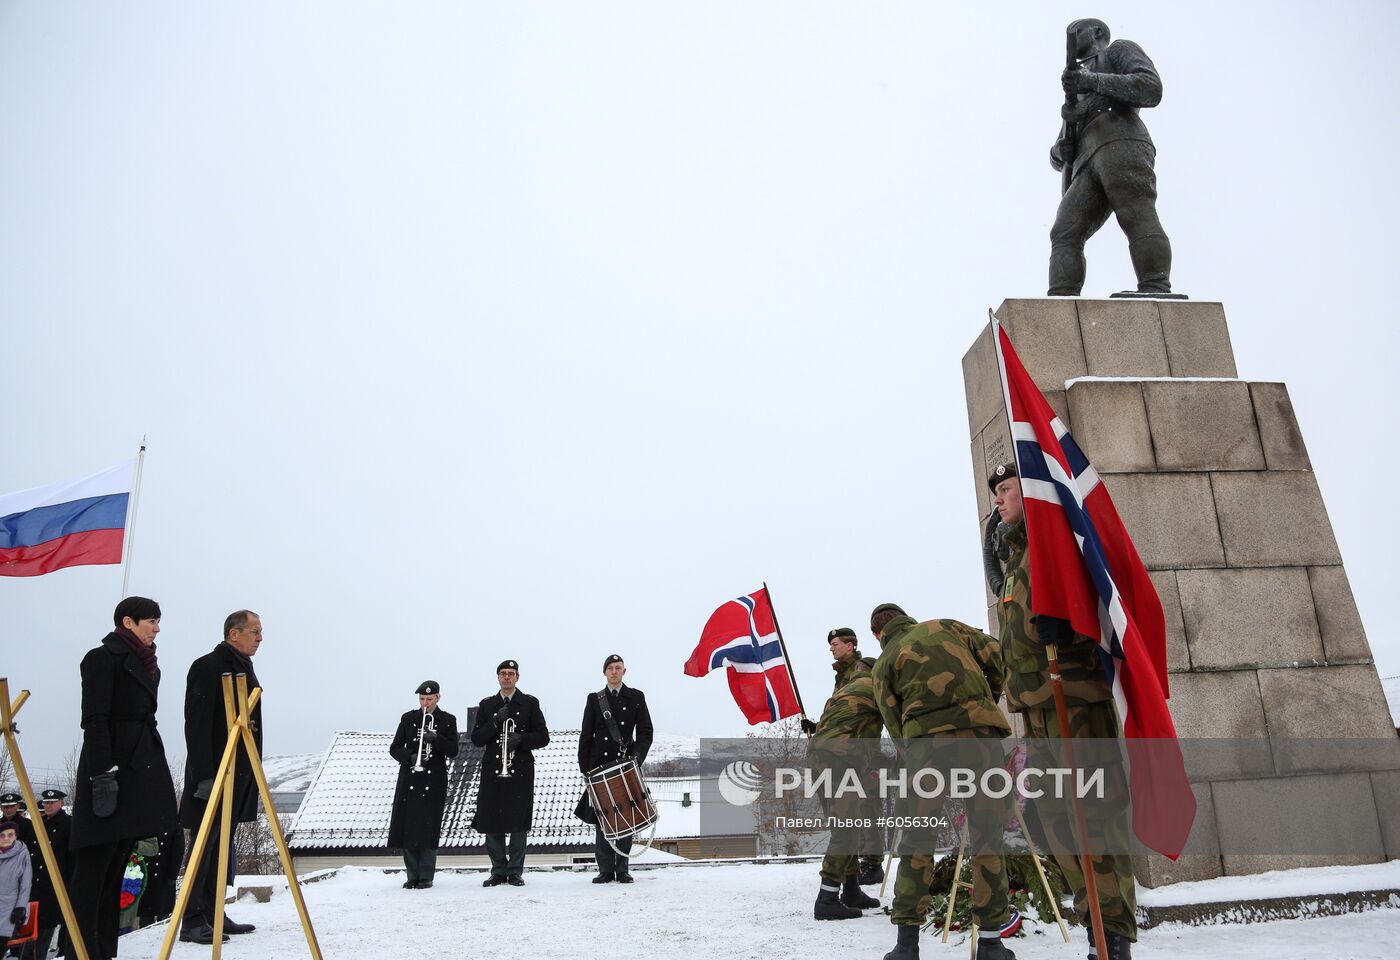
pixel 416 822
pixel 58 827
pixel 597 748
pixel 119 729
pixel 507 804
pixel 206 734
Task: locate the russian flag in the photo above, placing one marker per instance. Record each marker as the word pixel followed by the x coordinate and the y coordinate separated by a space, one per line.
pixel 65 524
pixel 742 636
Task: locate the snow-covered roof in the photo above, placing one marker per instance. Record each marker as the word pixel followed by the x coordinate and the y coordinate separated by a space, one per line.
pixel 351 795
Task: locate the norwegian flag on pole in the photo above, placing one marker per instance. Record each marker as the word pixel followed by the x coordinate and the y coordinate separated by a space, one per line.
pixel 1085 569
pixel 742 636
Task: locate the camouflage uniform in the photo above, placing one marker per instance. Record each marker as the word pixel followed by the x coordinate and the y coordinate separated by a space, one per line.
pixel 850 715
pixel 1089 701
pixel 940 680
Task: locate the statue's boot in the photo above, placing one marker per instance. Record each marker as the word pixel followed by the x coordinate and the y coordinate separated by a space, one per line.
pixel 1152 262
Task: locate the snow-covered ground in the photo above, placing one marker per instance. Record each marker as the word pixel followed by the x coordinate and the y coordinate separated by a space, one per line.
pixel 292 772
pixel 758 911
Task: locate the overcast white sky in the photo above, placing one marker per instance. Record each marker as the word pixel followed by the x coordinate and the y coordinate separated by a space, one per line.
pixel 466 331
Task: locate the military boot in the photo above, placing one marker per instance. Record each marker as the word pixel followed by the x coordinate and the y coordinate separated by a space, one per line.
pixel 871 873
pixel 907 946
pixel 1119 946
pixel 993 948
pixel 830 907
pixel 853 896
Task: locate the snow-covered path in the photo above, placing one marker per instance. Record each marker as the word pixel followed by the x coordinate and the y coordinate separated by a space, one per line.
pixel 696 912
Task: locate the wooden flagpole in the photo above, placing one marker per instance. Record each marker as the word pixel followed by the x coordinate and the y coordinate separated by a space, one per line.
pixel 787 660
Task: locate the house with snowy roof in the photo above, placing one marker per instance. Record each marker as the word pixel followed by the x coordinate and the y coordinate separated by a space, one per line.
pixel 343 818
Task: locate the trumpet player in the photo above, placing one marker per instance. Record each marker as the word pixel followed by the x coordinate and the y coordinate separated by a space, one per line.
pixel 509 725
pixel 425 740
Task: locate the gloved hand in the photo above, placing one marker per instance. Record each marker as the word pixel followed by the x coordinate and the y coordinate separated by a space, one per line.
pixel 809 727
pixel 429 736
pixel 501 715
pixel 104 794
pixel 1077 80
pixel 17 916
pixel 512 742
pixel 203 789
pixel 1053 630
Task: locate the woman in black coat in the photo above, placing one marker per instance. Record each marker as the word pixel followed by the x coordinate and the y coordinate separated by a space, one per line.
pixel 124 791
pixel 426 737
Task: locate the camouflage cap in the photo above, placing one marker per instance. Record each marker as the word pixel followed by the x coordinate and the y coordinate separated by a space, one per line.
pixel 999 473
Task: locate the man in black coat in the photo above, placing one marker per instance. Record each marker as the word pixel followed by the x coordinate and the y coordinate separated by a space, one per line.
pixel 124 790
pixel 602 744
pixel 58 825
pixel 206 735
pixel 12 809
pixel 506 805
pixel 425 740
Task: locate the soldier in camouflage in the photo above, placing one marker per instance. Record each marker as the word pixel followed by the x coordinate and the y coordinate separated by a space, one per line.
pixel 939 681
pixel 1089 702
pixel 843 739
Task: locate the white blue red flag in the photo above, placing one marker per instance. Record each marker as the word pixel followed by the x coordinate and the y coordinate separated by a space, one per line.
pixel 65 524
pixel 1085 569
pixel 742 636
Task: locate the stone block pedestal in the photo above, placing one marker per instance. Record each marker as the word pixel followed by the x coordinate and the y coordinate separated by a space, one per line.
pixel 1212 478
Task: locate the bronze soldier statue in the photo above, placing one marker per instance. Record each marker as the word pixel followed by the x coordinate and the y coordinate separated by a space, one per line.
pixel 1106 157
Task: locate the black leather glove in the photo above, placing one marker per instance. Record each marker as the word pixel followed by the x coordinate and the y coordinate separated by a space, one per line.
pixel 512 742
pixel 429 735
pixel 203 789
pixel 104 794
pixel 1053 630
pixel 809 727
pixel 501 715
pixel 17 916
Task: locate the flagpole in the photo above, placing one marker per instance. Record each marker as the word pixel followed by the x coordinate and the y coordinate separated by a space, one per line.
pixel 783 645
pixel 128 542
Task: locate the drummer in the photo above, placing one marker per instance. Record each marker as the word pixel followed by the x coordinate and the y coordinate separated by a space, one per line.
pixel 616 725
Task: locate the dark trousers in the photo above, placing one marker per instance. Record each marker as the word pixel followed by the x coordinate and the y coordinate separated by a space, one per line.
pixel 207 889
pixel 420 863
pixel 1118 179
pixel 507 859
pixel 96 892
pixel 608 860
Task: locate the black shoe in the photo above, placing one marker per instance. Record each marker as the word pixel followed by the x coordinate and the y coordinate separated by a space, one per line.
pixel 993 948
pixel 853 896
pixel 234 927
pixel 493 881
pixel 410 884
pixel 515 880
pixel 624 878
pixel 829 907
pixel 424 884
pixel 604 878
pixel 1119 946
pixel 907 946
pixel 871 875
pixel 200 933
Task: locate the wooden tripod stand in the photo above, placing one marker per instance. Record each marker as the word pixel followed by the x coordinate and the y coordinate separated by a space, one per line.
pixel 221 801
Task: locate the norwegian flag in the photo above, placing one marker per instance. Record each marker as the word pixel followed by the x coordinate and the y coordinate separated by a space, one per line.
pixel 742 635
pixel 1085 569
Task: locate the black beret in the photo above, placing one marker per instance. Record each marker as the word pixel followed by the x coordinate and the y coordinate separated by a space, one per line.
pixel 52 794
pixel 137 608
pixel 612 658
pixel 999 473
pixel 429 688
pixel 840 632
pixel 508 665
pixel 10 798
pixel 887 607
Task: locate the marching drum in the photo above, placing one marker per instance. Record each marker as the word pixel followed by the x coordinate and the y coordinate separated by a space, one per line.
pixel 621 800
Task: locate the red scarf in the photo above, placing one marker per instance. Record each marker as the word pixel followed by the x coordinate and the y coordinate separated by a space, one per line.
pixel 146 654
